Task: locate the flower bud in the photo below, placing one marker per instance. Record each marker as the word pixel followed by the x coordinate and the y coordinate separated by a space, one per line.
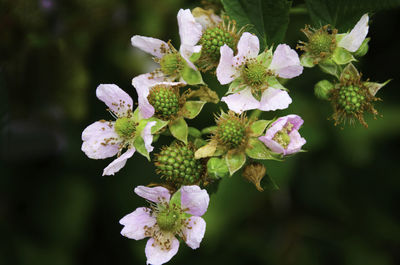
pixel 323 89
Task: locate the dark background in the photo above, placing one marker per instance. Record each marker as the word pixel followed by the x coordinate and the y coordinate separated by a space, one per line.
pixel 338 203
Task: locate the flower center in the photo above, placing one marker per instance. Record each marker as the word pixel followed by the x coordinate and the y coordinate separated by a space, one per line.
pixel 125 127
pixel 282 137
pixel 231 131
pixel 165 100
pixel 171 63
pixel 169 220
pixel 254 74
pixel 212 39
pixel 177 164
pixel 321 42
pixel 350 98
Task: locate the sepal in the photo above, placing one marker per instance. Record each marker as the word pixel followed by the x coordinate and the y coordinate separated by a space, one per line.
pixel 217 168
pixel 192 108
pixel 179 129
pixel 235 161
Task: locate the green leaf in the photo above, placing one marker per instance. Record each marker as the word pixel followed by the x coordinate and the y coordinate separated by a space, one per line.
pixel 140 147
pixel 191 76
pixel 194 132
pixel 342 56
pixel 179 129
pixel 269 18
pixel 306 60
pixel 258 127
pixel 209 130
pixel 330 67
pixel 217 168
pixel 257 150
pixel 344 14
pixel 192 108
pixel 207 150
pixel 176 199
pixel 235 161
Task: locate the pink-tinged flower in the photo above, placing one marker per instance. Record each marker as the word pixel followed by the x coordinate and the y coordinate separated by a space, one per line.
pixel 353 40
pixel 282 136
pixel 253 76
pixel 104 139
pixel 173 64
pixel 167 218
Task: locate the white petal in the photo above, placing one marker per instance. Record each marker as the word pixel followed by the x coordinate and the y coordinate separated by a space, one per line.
pixel 273 99
pixel 286 62
pixel 156 255
pixel 248 47
pixel 241 101
pixel 296 142
pixel 194 200
pixel 206 19
pixel 194 233
pixel 100 140
pixel 154 194
pixel 226 70
pixel 119 163
pixel 150 45
pixel 354 39
pixel 136 222
pixel 186 51
pixel 142 84
pixel 117 100
pixel 189 30
pixel 147 136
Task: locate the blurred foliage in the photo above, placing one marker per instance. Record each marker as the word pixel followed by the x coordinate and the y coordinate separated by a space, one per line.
pixel 337 203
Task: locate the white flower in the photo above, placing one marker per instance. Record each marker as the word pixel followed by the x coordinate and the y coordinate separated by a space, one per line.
pixel 179 215
pixel 253 74
pixel 104 139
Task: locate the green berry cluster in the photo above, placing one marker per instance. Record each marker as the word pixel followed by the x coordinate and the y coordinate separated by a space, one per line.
pixel 320 42
pixel 212 39
pixel 165 101
pixel 176 163
pixel 351 98
pixel 125 127
pixel 171 63
pixel 254 74
pixel 231 132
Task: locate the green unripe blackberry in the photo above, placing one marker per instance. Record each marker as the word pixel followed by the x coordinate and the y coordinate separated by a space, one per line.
pixel 168 220
pixel 254 74
pixel 165 100
pixel 231 130
pixel 320 42
pixel 351 98
pixel 212 39
pixel 171 63
pixel 176 163
pixel 125 127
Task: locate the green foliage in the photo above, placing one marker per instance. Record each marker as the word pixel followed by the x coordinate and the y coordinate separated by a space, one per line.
pixel 344 14
pixel 192 108
pixel 179 129
pixel 217 168
pixel 269 18
pixel 235 162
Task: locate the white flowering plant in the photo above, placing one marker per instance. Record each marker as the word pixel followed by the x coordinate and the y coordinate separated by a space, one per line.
pixel 242 48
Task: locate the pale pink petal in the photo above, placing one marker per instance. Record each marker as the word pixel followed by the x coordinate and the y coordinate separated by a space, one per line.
pixel 117 100
pixel 286 62
pixel 186 51
pixel 296 120
pixel 194 232
pixel 248 47
pixel 189 30
pixel 241 101
pixel 150 45
pixel 154 194
pixel 119 163
pixel 273 99
pixel 296 142
pixel 147 136
pixel 100 140
pixel 142 84
pixel 226 71
pixel 136 222
pixel 355 38
pixel 276 127
pixel 157 255
pixel 194 200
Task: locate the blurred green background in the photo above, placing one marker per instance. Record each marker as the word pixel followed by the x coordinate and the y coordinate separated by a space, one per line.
pixel 338 203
